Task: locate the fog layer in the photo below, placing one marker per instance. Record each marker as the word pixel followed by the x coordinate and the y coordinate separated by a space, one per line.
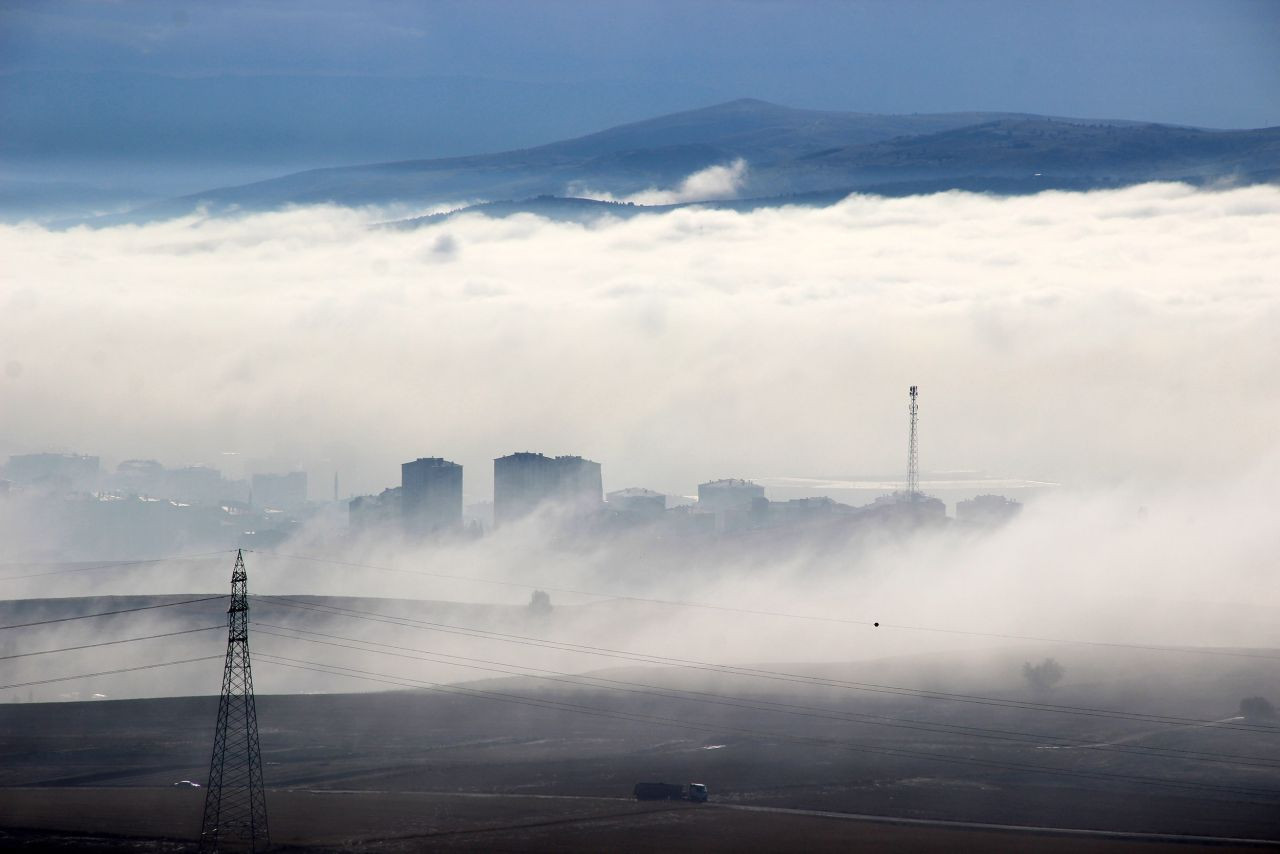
pixel 1087 339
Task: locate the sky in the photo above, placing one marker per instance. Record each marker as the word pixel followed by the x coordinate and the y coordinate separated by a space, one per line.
pixel 247 90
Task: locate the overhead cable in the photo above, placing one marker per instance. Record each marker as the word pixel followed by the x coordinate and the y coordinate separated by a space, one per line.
pixel 774 675
pixel 781 614
pixel 500 696
pixel 111 613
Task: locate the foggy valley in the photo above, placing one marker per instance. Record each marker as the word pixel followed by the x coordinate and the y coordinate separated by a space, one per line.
pixel 754 427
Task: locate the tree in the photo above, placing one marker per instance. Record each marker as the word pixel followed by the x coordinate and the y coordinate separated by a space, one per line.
pixel 1045 675
pixel 540 603
pixel 1257 709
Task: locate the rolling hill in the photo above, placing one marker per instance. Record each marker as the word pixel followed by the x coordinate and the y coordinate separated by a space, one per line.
pixel 789 153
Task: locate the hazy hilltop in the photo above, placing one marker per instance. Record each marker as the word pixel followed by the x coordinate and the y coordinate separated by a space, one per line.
pixel 785 152
pixel 1018 144
pixel 762 131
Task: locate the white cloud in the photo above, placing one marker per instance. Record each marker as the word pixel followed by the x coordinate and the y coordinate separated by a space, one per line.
pixel 715 182
pixel 1080 338
pixel 1121 343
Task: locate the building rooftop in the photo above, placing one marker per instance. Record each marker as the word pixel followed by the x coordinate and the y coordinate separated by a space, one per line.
pixel 635 492
pixel 534 455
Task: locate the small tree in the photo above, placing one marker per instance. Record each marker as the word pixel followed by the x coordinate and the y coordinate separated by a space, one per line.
pixel 540 603
pixel 1043 676
pixel 1257 709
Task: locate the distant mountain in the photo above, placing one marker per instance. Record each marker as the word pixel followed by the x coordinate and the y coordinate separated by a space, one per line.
pixel 789 152
pixel 1009 148
pixel 575 209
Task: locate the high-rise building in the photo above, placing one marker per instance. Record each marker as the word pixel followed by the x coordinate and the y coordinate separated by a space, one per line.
pixel 987 510
pixel 374 512
pixel 63 471
pixel 280 491
pixel 431 495
pixel 638 501
pixel 523 481
pixel 718 496
pixel 202 485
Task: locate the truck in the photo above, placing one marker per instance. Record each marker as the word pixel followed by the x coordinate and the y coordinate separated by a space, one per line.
pixel 696 792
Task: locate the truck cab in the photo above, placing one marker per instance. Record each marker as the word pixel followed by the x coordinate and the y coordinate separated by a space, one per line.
pixel 698 792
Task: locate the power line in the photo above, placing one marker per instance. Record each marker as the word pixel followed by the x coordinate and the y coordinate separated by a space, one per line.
pixel 111 613
pixel 109 672
pixel 688 695
pixel 107 643
pixel 676 603
pixel 554 705
pixel 781 676
pixel 115 564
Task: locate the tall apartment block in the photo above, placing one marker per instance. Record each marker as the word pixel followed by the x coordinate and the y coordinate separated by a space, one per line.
pixel 523 481
pixel 430 496
pixel 280 491
pixel 718 496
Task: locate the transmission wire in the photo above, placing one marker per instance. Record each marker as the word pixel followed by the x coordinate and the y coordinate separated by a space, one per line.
pixel 782 614
pixel 518 699
pixel 588 681
pixel 693 664
pixel 111 613
pixel 110 672
pixel 110 642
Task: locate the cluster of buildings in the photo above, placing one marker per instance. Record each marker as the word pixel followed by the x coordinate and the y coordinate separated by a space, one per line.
pixel 143 507
pixel 429 497
pixel 429 501
pixel 54 474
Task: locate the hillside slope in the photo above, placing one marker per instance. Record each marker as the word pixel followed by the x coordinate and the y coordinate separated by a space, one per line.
pixel 788 151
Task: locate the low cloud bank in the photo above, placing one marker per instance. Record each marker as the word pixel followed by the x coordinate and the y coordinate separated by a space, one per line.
pixel 1084 339
pixel 1119 343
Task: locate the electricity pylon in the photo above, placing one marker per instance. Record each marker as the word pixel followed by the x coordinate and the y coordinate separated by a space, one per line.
pixel 235 805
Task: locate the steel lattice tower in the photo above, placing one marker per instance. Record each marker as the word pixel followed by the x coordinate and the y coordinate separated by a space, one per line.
pixel 235 805
pixel 913 454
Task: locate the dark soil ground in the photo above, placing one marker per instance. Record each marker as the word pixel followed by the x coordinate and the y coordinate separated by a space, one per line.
pixel 539 765
pixel 412 771
pixel 148 819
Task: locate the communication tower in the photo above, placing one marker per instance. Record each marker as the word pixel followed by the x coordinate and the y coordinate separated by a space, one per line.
pixel 913 456
pixel 235 805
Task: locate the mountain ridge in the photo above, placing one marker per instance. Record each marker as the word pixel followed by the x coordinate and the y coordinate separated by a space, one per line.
pixel 788 151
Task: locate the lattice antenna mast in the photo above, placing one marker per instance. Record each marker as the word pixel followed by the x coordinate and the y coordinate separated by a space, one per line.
pixel 235 805
pixel 913 453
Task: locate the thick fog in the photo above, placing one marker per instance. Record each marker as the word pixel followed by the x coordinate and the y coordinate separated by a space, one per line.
pixel 1088 339
pixel 1121 344
pixel 1190 569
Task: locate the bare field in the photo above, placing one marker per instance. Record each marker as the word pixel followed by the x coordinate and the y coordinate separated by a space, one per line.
pixel 122 819
pixel 527 764
pixel 414 771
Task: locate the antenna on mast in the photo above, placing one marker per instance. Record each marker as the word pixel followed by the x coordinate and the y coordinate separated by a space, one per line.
pixel 913 454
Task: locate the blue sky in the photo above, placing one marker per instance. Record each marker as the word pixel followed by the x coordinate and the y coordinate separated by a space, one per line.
pixel 495 74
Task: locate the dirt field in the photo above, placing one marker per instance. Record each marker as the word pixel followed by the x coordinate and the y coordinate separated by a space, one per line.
pixel 553 771
pixel 120 819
